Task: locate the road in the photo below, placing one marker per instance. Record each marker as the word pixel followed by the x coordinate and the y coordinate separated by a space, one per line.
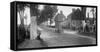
pixel 50 38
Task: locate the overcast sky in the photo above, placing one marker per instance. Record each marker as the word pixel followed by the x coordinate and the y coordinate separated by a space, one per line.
pixel 68 9
pixel 88 10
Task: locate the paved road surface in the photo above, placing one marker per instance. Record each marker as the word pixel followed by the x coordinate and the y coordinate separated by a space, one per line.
pixel 51 38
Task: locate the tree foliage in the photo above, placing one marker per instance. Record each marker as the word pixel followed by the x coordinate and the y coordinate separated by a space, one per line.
pixel 48 13
pixel 34 9
pixel 79 14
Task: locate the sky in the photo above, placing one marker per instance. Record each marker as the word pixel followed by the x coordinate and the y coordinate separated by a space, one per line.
pixel 41 7
pixel 65 9
pixel 88 10
pixel 68 9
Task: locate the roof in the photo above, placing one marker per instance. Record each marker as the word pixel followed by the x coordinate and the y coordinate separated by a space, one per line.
pixel 60 17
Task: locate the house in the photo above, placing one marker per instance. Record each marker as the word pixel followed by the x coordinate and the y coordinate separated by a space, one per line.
pixel 59 18
pixel 73 23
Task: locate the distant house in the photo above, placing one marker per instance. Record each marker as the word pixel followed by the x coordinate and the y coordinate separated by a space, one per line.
pixel 46 23
pixel 60 18
pixel 70 22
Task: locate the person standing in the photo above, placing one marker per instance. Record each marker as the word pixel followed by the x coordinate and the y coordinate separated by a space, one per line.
pixel 83 25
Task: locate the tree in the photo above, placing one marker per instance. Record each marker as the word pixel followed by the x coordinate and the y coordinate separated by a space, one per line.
pixel 83 11
pixel 47 13
pixel 34 9
pixel 93 13
pixel 78 14
pixel 20 11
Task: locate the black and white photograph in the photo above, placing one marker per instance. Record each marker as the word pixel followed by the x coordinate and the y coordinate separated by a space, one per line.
pixel 50 25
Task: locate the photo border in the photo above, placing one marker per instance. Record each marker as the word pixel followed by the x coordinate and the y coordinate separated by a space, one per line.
pixel 14 25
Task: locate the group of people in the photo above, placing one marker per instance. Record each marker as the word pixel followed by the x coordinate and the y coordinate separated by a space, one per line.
pixel 86 26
